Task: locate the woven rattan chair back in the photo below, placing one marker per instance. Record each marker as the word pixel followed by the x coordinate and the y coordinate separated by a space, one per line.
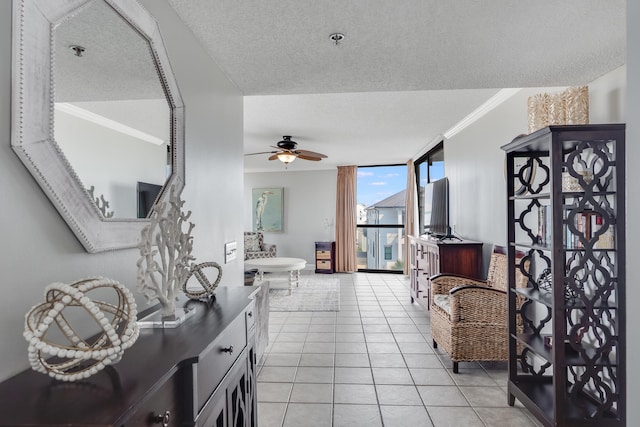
pixel 497 273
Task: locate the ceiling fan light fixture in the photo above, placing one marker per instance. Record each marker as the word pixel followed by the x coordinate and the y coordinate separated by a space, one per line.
pixel 286 158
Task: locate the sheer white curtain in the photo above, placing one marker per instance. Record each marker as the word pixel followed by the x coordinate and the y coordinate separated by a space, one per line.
pixel 346 220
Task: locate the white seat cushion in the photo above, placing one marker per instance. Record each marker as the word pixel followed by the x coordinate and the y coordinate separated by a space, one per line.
pixel 443 301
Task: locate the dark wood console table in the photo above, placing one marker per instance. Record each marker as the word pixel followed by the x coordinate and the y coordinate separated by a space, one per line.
pixel 201 373
pixel 430 256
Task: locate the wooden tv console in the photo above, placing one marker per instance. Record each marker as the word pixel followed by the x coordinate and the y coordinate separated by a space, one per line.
pixel 430 256
pixel 201 373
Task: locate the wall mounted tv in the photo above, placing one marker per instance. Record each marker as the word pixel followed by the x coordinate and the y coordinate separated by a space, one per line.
pixel 147 195
pixel 436 208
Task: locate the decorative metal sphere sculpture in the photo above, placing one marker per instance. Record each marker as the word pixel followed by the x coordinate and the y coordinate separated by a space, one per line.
pixel 208 288
pixel 79 358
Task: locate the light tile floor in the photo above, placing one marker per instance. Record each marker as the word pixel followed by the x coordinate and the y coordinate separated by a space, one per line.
pixel 372 364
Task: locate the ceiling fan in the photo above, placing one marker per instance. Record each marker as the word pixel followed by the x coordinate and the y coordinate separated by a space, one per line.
pixel 287 152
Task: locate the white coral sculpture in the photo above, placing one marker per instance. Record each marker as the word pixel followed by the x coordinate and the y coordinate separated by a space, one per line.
pixel 165 253
pixel 101 203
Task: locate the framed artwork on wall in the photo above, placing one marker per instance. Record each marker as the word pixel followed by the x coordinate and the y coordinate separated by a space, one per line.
pixel 268 206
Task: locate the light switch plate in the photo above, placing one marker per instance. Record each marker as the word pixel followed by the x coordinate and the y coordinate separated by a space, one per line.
pixel 230 251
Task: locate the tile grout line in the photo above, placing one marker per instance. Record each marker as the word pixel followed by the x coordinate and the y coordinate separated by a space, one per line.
pixel 385 296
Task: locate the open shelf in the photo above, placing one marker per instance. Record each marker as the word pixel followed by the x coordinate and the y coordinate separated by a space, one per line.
pixel 546 299
pixel 572 357
pixel 538 196
pixel 578 194
pixel 578 412
pixel 535 246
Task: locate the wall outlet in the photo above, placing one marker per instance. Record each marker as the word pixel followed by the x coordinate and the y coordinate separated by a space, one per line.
pixel 230 251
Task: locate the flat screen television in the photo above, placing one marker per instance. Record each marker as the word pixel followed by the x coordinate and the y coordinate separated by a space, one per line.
pixel 436 208
pixel 147 195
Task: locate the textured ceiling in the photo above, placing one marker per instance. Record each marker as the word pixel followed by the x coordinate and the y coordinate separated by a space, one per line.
pixel 365 128
pixel 116 65
pixel 432 49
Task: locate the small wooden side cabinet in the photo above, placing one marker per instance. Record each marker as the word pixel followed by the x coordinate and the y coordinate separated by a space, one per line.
pixel 431 256
pixel 325 257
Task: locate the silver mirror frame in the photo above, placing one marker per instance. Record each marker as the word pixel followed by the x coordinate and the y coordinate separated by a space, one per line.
pixel 33 60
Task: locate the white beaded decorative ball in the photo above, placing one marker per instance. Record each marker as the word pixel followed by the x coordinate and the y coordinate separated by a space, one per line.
pixel 79 358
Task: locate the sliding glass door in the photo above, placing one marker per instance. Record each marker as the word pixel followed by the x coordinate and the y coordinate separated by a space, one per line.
pixel 381 192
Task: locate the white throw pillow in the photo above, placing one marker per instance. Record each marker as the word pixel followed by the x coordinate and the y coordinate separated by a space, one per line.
pixel 252 243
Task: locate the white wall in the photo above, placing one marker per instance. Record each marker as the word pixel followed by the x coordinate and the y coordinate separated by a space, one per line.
pixel 607 97
pixel 95 152
pixel 474 164
pixel 309 199
pixel 37 246
pixel 633 207
pixel 474 161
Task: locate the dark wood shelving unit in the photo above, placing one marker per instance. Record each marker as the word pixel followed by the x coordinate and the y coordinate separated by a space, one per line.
pixel 576 237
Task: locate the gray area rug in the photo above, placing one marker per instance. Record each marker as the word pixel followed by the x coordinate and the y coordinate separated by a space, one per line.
pixel 313 294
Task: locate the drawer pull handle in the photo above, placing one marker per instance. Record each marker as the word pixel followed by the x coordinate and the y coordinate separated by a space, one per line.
pixel 250 314
pixel 227 349
pixel 163 419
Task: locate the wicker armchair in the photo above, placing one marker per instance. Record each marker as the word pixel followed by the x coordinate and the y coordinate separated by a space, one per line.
pixel 469 317
pixel 255 247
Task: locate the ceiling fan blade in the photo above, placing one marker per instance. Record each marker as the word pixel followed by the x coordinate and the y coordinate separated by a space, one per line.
pixel 262 152
pixel 310 154
pixel 274 157
pixel 304 157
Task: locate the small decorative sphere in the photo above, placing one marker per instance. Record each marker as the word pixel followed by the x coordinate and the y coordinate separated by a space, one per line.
pixel 206 289
pixel 116 318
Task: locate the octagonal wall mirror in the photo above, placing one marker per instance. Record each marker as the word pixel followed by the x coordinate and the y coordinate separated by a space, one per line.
pixel 106 141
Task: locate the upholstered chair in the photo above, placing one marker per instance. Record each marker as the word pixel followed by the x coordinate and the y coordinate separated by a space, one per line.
pixel 469 317
pixel 255 247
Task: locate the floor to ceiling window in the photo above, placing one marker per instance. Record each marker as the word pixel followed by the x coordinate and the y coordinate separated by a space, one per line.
pixel 380 217
pixel 429 168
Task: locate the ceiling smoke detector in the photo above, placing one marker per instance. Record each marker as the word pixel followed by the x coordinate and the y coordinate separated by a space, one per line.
pixel 77 50
pixel 336 38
